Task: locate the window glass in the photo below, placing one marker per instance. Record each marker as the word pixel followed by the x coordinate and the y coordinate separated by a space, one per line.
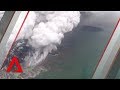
pixel 114 72
pixel 5 18
pixel 62 44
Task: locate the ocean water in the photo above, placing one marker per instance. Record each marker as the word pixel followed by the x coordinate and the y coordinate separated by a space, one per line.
pixel 78 54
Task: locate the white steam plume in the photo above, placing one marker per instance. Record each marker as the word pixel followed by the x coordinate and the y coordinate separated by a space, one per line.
pixel 45 30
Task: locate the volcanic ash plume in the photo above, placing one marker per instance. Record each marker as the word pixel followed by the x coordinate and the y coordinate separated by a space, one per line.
pixel 44 30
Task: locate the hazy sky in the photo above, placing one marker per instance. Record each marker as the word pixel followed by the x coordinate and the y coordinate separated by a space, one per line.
pixel 99 18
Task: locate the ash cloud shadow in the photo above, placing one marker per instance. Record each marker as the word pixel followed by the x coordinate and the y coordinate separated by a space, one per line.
pixel 91 29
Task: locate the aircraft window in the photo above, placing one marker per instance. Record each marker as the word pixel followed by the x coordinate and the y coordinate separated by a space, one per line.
pixel 62 45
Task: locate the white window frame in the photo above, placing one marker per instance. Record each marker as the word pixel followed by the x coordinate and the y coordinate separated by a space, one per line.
pixel 109 55
pixel 15 24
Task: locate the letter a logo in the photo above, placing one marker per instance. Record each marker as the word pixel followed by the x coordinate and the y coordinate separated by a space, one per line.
pixel 13 62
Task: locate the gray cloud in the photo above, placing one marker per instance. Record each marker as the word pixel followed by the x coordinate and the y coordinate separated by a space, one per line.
pixel 99 18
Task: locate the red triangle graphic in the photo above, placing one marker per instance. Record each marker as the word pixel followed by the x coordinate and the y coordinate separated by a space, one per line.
pixel 16 62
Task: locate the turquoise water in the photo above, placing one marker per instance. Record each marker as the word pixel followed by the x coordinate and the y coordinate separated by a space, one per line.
pixel 78 54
